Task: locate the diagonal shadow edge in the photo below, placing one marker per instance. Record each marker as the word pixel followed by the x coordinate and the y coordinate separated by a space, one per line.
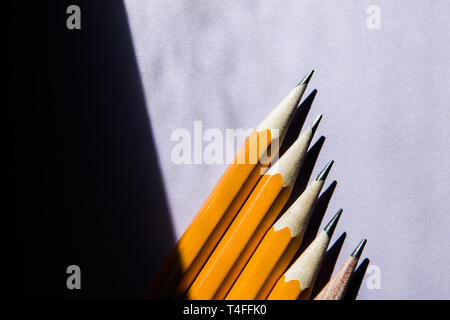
pixel 90 189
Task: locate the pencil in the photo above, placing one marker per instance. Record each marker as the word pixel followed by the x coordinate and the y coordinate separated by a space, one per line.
pixel 253 220
pixel 298 280
pixel 219 209
pixel 338 284
pixel 278 246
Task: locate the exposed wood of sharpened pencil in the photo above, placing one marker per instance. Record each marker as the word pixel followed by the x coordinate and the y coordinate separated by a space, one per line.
pixel 298 280
pixel 218 211
pixel 253 220
pixel 278 246
pixel 336 287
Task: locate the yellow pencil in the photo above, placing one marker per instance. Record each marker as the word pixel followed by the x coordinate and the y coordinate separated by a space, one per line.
pixel 221 206
pixel 298 281
pixel 254 219
pixel 278 246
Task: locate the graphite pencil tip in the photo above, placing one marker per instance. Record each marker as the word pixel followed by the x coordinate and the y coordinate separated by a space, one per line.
pixel 324 173
pixel 306 79
pixel 315 124
pixel 358 250
pixel 329 229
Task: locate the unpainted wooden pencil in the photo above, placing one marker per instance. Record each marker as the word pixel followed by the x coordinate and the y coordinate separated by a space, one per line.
pixel 335 288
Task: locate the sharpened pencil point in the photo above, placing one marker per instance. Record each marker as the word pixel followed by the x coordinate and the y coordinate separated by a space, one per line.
pixel 315 124
pixel 324 173
pixel 329 229
pixel 358 250
pixel 306 79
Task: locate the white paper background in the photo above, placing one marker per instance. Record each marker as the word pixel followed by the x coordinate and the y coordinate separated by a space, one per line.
pixel 384 95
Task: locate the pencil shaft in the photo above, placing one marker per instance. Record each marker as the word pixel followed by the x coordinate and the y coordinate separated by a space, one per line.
pixel 203 233
pixel 239 242
pixel 277 249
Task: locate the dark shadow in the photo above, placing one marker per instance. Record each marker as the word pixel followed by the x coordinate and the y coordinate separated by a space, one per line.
pixel 356 280
pixel 88 185
pixel 297 122
pixel 328 264
pixel 305 171
pixel 317 216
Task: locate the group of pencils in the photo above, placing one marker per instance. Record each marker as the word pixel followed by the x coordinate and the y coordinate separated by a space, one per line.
pixel 238 246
